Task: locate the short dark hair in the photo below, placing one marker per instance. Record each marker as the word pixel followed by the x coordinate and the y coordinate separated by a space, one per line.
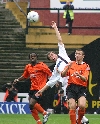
pixel 80 50
pixel 34 54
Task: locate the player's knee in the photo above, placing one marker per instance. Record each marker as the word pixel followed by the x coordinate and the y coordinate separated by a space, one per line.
pixel 82 105
pixel 72 105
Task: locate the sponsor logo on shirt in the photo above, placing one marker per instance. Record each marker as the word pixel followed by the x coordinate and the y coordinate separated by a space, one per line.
pixel 32 75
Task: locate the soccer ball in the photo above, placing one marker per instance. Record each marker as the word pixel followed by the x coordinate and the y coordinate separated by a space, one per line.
pixel 33 16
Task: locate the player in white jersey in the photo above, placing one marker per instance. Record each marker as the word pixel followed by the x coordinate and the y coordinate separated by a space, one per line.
pixel 61 60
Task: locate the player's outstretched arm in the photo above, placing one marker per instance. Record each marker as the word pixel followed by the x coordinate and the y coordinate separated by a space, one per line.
pixel 63 73
pixel 39 93
pixel 19 79
pixel 54 26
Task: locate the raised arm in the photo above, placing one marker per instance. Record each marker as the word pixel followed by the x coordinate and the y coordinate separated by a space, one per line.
pixel 64 72
pixel 54 26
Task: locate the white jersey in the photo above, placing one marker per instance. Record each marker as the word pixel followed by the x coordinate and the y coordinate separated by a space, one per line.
pixel 59 67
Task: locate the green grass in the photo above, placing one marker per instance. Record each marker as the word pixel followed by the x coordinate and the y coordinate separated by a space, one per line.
pixel 53 119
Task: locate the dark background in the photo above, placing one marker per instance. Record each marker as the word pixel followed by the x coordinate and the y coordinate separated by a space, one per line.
pixel 92 57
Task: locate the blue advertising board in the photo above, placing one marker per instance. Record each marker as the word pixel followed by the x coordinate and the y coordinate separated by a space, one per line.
pixel 14 108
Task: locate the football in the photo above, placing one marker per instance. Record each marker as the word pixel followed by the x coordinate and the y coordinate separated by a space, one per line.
pixel 33 16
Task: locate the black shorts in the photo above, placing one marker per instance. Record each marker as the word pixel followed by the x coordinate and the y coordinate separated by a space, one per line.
pixel 32 95
pixel 76 91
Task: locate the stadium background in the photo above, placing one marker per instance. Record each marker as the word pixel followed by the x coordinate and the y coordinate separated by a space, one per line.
pixel 91 50
pixel 81 19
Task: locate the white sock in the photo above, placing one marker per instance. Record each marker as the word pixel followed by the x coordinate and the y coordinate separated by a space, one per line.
pixel 77 113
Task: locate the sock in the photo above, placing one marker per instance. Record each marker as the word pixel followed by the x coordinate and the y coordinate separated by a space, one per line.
pixel 72 116
pixel 80 115
pixel 35 115
pixel 40 109
pixel 76 116
pixel 77 113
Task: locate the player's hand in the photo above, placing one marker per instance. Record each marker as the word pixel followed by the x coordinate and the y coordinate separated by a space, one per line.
pixel 53 24
pixel 70 64
pixel 76 73
pixel 39 93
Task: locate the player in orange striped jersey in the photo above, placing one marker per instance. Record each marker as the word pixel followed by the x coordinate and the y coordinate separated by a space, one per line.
pixel 38 72
pixel 78 72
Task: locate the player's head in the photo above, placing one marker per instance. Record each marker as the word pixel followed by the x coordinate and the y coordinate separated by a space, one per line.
pixel 79 55
pixel 33 57
pixel 52 56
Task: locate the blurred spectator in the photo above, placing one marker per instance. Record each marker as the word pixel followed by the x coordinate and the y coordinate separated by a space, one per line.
pixel 61 106
pixel 68 15
pixel 10 92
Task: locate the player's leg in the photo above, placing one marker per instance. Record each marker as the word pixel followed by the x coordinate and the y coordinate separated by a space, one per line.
pixel 33 105
pixel 38 107
pixel 72 96
pixel 77 108
pixel 36 116
pixel 34 112
pixel 72 110
pixel 45 114
pixel 84 119
pixel 81 111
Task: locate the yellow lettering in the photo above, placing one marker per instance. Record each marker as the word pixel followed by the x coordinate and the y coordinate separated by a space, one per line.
pixel 98 104
pixel 94 103
pixel 86 104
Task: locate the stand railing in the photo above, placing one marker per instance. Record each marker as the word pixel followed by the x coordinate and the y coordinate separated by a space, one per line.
pixel 58 19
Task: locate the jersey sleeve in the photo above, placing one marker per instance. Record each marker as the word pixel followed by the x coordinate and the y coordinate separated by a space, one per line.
pixel 62 52
pixel 26 74
pixel 86 71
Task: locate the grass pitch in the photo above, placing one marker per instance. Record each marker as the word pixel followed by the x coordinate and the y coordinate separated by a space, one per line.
pixel 53 119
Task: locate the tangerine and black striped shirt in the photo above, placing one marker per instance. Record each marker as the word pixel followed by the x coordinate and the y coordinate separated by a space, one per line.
pixel 38 75
pixel 83 69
